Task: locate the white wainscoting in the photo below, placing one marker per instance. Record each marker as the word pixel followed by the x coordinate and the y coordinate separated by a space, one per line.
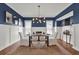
pixel 14 34
pixel 71 29
pixel 8 35
pixel 76 36
pixel 74 30
pixel 64 28
pixel 4 36
pixel 59 30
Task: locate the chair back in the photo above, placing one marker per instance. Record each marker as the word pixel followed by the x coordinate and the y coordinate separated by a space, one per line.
pixel 42 38
pixel 34 37
pixel 55 35
pixel 20 34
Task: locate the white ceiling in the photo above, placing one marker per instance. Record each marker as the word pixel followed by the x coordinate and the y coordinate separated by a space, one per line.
pixel 31 9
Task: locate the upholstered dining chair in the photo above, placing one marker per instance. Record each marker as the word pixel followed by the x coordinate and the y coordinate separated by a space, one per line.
pixel 52 39
pixel 24 40
pixel 39 44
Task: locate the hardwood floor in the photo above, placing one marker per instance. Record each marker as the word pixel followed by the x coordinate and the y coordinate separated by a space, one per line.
pixel 10 49
pixel 60 49
pixel 22 50
pixel 67 47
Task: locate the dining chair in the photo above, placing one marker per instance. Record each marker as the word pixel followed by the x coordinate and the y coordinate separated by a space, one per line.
pixel 53 39
pixel 36 43
pixel 23 39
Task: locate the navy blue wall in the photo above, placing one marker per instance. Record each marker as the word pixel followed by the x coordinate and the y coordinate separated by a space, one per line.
pixel 3 9
pixel 75 8
pixel 39 24
pixel 2 17
pixel 59 23
pixel 75 18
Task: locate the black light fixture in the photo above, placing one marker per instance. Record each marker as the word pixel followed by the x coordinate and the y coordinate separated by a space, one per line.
pixel 38 19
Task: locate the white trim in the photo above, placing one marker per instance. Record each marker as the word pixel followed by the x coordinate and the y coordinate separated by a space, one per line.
pixel 66 16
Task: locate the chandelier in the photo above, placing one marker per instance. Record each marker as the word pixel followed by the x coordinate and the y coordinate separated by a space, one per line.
pixel 38 19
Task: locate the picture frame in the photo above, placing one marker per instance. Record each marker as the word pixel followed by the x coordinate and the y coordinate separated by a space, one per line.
pixel 8 18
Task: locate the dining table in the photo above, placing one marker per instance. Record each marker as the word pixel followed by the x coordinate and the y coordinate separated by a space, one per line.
pixel 39 35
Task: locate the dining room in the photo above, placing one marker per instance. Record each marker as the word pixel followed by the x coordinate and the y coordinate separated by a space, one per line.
pixel 39 28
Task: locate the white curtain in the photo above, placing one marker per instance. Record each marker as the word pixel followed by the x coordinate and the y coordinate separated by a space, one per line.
pixel 55 28
pixel 20 26
pixel 49 26
pixel 28 27
pixel 16 22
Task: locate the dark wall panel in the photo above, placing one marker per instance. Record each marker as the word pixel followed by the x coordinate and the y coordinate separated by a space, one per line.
pixel 3 9
pixel 75 8
pixel 39 24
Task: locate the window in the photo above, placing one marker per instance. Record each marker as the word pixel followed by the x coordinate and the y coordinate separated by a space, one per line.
pixel 20 26
pixel 67 21
pixel 16 22
pixel 49 25
pixel 55 28
pixel 20 22
pixel 28 27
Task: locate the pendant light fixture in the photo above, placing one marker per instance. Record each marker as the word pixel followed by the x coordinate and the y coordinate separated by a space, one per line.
pixel 38 19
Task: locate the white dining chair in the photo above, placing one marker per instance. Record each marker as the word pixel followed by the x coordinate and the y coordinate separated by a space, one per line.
pixel 24 40
pixel 52 39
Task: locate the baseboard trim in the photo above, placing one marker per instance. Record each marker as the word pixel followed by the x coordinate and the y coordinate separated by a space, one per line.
pixel 67 47
pixel 10 49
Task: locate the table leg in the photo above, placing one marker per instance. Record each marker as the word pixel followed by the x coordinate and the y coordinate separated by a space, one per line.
pixel 48 41
pixel 66 39
pixel 29 41
pixel 70 40
pixel 38 38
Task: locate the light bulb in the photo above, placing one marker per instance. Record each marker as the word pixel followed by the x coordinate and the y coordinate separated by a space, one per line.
pixel 33 19
pixel 14 16
pixel 37 22
pixel 44 21
pixel 40 21
pixel 36 18
pixel 33 22
pixel 44 17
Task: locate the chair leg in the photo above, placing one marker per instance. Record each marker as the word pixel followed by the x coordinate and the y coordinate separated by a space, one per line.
pixel 30 42
pixel 48 41
pixel 47 44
